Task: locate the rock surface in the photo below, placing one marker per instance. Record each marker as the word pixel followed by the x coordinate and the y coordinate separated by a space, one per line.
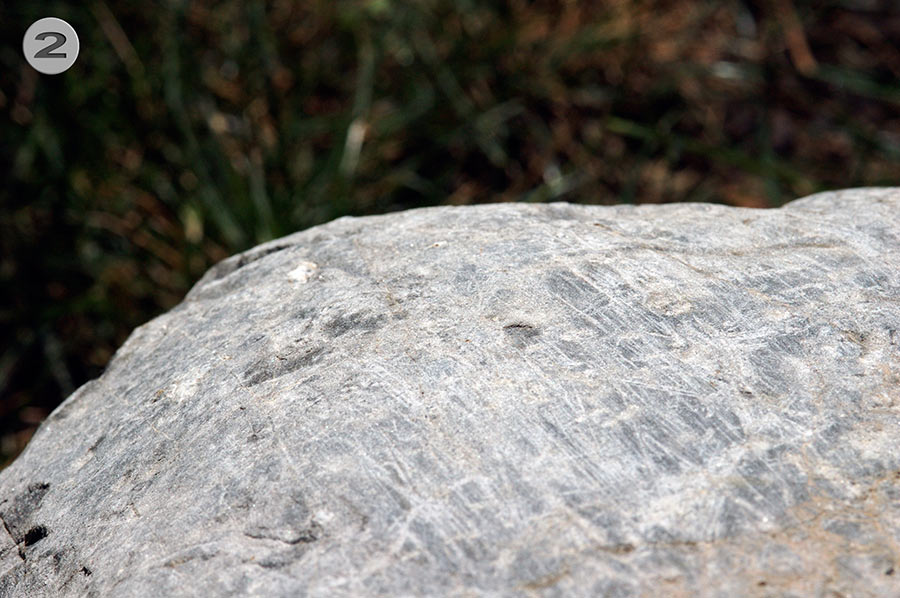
pixel 504 400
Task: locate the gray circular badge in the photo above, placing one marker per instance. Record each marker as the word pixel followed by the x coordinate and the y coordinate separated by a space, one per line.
pixel 50 45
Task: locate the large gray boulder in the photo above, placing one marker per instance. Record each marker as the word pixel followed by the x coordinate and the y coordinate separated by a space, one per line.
pixel 503 400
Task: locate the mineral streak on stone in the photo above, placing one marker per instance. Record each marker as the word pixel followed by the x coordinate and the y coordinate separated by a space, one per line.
pixel 503 400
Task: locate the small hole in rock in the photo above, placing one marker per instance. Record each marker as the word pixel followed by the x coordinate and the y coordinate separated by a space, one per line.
pixel 86 571
pixel 35 535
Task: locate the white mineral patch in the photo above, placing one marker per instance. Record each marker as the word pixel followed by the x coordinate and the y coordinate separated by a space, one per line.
pixel 303 272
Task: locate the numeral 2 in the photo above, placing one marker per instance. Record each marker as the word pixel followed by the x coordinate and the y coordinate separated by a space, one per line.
pixel 48 51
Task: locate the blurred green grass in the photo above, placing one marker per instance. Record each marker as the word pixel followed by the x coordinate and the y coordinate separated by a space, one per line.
pixel 190 130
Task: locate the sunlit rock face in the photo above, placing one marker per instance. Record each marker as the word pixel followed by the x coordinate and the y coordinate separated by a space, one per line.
pixel 502 400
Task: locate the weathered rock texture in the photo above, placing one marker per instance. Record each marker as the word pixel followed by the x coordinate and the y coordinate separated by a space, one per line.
pixel 505 400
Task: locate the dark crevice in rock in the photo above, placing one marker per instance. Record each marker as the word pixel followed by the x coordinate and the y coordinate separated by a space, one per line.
pixel 35 535
pixel 250 257
pixel 624 548
pixel 270 368
pixel 12 537
pixel 17 513
pixel 512 327
pixel 306 535
pixel 229 266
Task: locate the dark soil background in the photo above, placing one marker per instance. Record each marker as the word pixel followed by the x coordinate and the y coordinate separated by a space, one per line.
pixel 189 130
